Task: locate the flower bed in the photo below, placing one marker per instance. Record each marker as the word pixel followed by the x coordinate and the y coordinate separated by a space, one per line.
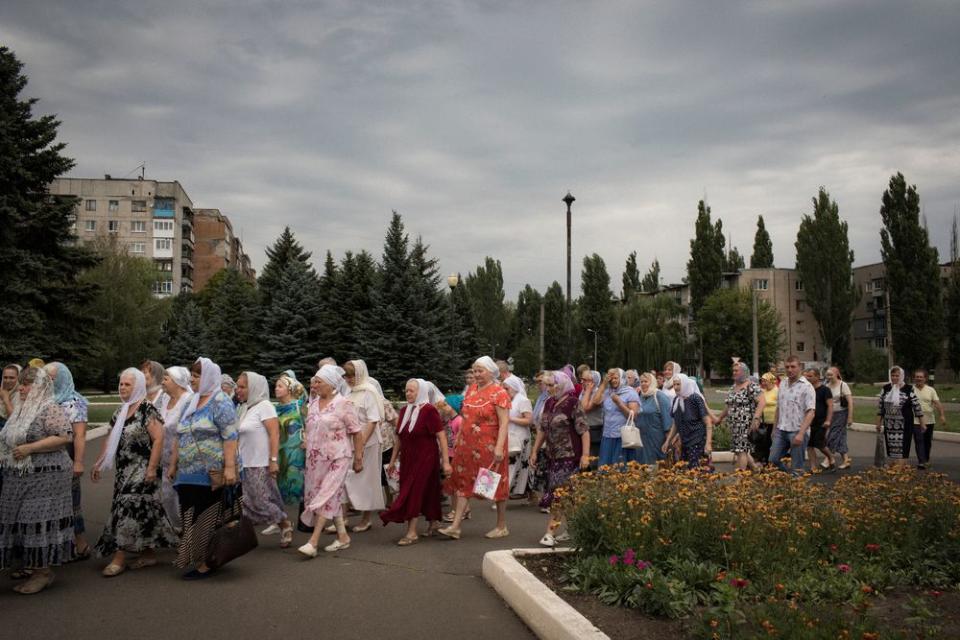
pixel 759 555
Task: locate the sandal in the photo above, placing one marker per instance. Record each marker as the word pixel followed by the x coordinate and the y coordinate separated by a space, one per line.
pixel 21 574
pixel 142 563
pixel 497 533
pixel 85 554
pixel 450 532
pixel 35 584
pixel 453 514
pixel 330 528
pixel 406 542
pixel 360 528
pixel 286 537
pixel 113 570
pixel 432 530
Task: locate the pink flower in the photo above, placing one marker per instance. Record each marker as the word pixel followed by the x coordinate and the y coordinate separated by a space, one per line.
pixel 643 564
pixel 843 568
pixel 872 548
pixel 614 560
pixel 629 556
pixel 739 583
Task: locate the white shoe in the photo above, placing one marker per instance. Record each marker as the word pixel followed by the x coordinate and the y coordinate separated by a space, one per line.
pixel 336 545
pixel 493 507
pixel 563 537
pixel 308 550
pixel 272 530
pixel 548 540
pixel 825 464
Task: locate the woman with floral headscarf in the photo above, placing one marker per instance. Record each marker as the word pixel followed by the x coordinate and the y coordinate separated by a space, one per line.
pixel 618 401
pixel 137 522
pixel 36 510
pixel 691 420
pixel 175 398
pixel 290 397
pixel 364 489
pixel 207 439
pixel 898 411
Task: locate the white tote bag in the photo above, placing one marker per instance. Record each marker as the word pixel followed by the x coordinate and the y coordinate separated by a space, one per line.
pixel 630 435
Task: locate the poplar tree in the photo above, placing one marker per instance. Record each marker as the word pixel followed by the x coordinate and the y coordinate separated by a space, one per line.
pixel 762 257
pixel 705 267
pixel 484 288
pixel 953 303
pixel 631 277
pixel 596 309
pixel 651 281
pixel 912 278
pixel 554 335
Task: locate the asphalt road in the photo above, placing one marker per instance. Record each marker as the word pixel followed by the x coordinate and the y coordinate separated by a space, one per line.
pixel 372 590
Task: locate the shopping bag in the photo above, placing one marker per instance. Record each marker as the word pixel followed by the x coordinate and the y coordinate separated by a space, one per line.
pixel 630 435
pixel 486 483
pixel 235 536
pixel 880 451
pixel 393 476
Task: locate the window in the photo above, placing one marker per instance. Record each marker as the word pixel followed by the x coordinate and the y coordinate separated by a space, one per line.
pixel 166 265
pixel 138 206
pixel 800 305
pixel 801 347
pixel 91 205
pixel 878 284
pixel 138 226
pixel 798 285
pixel 870 305
pixel 880 343
pixel 138 248
pixel 114 206
pixel 113 226
pixel 869 325
pixel 163 244
pixel 761 284
pixel 162 225
pixel 163 286
pixel 90 225
pixel 800 325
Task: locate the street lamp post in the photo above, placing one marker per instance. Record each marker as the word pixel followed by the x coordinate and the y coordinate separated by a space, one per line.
pixel 569 200
pixel 594 332
pixel 453 280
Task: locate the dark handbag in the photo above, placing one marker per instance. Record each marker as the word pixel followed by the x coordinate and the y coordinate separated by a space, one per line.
pixel 235 536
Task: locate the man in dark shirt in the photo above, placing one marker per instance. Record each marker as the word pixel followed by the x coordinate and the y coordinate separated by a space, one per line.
pixel 822 415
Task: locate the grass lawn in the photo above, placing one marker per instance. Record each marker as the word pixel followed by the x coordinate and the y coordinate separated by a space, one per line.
pixel 101 414
pixel 948 391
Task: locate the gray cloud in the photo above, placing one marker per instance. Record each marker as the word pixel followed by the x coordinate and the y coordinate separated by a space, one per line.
pixel 473 118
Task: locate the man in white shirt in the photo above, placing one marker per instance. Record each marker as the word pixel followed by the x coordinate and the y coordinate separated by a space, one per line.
pixel 929 400
pixel 796 405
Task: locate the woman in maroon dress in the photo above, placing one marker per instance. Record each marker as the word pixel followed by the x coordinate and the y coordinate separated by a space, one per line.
pixel 421 446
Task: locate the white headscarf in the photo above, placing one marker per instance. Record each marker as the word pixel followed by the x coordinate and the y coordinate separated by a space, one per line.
pixel 677 370
pixel 623 380
pixel 514 382
pixel 180 377
pixel 332 375
pixel 893 396
pixel 258 390
pixel 209 384
pixel 138 394
pixel 413 411
pixel 361 379
pixel 688 387
pixel 487 363
pixel 14 433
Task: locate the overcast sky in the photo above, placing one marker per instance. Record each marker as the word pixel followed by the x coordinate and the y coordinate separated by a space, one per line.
pixel 473 119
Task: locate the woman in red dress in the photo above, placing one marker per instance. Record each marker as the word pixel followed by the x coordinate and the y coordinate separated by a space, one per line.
pixel 482 443
pixel 420 447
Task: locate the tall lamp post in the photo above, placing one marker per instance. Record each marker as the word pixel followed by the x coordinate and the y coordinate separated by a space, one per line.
pixel 453 280
pixel 569 199
pixel 594 332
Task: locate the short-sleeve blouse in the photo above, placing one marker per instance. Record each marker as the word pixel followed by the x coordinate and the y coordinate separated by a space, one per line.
pixel 480 406
pixel 328 430
pixel 561 420
pixel 52 421
pixel 200 439
pixel 369 409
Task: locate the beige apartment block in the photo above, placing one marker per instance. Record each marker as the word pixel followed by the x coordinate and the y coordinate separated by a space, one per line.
pixel 152 219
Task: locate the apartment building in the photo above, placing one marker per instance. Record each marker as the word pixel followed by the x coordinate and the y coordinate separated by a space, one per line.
pixel 217 247
pixel 152 219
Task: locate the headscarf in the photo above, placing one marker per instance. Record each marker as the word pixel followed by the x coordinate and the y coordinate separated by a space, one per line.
pixel 455 401
pixel 63 387
pixel 292 384
pixel 209 384
pixel 677 370
pixel 361 379
pixel 258 390
pixel 744 372
pixel 570 372
pixel 893 396
pixel 225 379
pixel 487 363
pixel 180 377
pixel 14 396
pixel 562 382
pixel 434 395
pixel 634 373
pixel 37 363
pixel 688 387
pixel 138 394
pixel 156 371
pixel 651 384
pixel 597 378
pixel 332 375
pixel 769 377
pixel 39 399
pixel 413 411
pixel 515 383
pixel 623 381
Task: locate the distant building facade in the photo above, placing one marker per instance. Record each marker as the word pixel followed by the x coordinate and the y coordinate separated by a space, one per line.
pixel 217 248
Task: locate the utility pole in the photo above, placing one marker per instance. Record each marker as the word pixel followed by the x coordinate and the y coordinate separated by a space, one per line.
pixel 756 332
pixel 541 335
pixel 569 200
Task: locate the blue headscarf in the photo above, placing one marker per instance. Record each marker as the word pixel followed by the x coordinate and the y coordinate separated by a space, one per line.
pixel 455 401
pixel 63 387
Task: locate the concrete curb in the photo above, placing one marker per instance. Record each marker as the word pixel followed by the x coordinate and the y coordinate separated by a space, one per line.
pixel 97 431
pixel 546 613
pixel 945 436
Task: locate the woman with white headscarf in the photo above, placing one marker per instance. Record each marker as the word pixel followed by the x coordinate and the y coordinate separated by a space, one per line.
pixel 137 522
pixel 482 443
pixel 691 420
pixel 420 447
pixel 619 400
pixel 518 434
pixel 204 462
pixel 364 488
pixel 899 410
pixel 176 396
pixel 36 510
pixel 331 426
pixel 259 454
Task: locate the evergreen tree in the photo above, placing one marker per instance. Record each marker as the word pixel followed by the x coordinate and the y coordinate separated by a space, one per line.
pixel 127 318
pixel 464 327
pixel 825 266
pixel 435 329
pixel 651 281
pixel 43 311
pixel 485 292
pixel 596 309
pixel 726 325
pixel 912 277
pixel 286 250
pixel 705 267
pixel 762 257
pixel 554 323
pixel 185 333
pixel 953 303
pixel 291 331
pixel 631 277
pixel 525 335
pixel 231 320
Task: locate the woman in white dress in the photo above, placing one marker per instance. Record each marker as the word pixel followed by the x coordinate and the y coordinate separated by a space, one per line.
pixel 518 434
pixel 177 393
pixel 364 489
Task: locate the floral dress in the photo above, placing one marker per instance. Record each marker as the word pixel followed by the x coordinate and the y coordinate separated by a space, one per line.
pixel 562 422
pixel 137 518
pixel 328 455
pixel 291 459
pixel 478 440
pixel 741 407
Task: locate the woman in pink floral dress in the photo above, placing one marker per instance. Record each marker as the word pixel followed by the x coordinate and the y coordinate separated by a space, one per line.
pixel 331 425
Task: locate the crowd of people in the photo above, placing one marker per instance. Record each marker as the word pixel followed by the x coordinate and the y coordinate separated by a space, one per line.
pixel 190 446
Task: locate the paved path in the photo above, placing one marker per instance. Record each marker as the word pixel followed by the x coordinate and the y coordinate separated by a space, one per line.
pixel 374 590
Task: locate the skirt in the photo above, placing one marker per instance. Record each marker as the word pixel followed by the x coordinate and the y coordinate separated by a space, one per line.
pixel 78 524
pixel 201 511
pixel 558 472
pixel 325 491
pixel 170 501
pixel 519 469
pixel 36 519
pixel 262 503
pixel 837 438
pixel 364 489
